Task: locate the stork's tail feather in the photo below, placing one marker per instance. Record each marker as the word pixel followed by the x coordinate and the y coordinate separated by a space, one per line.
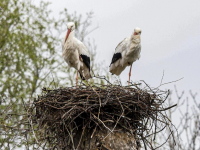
pixel 116 69
pixel 83 78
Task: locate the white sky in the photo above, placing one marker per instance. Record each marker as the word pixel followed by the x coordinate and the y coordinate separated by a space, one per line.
pixel 170 36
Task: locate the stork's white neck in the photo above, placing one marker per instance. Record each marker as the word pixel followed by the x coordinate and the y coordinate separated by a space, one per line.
pixel 135 38
pixel 71 36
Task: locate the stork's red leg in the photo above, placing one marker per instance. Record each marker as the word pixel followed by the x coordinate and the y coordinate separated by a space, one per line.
pixel 76 78
pixel 130 74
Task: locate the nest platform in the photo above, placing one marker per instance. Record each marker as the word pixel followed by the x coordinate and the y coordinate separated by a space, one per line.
pixel 101 117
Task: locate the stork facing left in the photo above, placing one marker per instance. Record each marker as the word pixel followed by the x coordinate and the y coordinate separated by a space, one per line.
pixel 76 54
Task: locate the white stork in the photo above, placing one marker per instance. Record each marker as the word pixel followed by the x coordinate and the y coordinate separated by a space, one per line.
pixel 76 54
pixel 126 52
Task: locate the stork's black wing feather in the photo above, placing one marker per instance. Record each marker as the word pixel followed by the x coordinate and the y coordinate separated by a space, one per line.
pixel 86 60
pixel 116 57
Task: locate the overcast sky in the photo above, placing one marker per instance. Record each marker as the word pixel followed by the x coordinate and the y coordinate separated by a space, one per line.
pixel 170 36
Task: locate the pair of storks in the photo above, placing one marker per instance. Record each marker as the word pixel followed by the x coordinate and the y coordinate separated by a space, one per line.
pixel 76 54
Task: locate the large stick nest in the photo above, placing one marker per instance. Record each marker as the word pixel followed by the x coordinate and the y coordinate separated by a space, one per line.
pixel 68 117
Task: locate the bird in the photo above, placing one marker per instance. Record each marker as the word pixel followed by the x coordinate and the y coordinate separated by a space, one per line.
pixel 76 54
pixel 126 52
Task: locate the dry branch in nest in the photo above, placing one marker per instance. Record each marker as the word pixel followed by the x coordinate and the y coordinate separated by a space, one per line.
pixel 101 117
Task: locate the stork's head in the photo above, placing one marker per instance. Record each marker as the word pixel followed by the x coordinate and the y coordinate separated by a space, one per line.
pixel 137 31
pixel 70 27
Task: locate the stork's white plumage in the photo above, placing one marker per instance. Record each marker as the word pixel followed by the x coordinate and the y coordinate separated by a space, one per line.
pixel 126 52
pixel 76 54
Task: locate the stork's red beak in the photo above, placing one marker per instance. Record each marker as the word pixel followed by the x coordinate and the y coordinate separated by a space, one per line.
pixel 68 32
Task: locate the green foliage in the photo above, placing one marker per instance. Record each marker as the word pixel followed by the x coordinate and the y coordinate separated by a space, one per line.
pixel 28 48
